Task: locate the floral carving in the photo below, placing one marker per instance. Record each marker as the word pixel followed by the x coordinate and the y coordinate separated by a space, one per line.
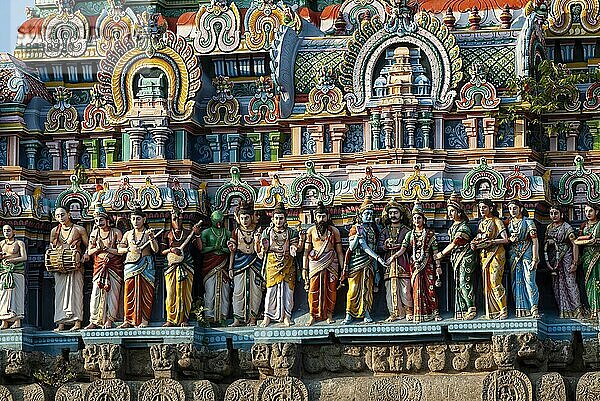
pixel 62 116
pixel 264 105
pixel 325 96
pixel 223 107
pixel 477 88
pixel 218 27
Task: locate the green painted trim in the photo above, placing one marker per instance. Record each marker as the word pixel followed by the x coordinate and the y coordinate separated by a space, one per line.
pixel 94 151
pixel 181 140
pixel 125 148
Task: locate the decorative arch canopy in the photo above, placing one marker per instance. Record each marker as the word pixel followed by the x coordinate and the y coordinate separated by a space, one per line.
pixel 232 189
pixel 310 179
pixel 581 175
pixel 483 172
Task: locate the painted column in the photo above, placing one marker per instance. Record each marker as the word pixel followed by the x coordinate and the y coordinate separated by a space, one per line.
pixel 136 136
pixel 470 125
pixel 54 152
pixel 338 134
pixel 411 125
pixel 490 131
pixel 214 141
pixel 595 132
pixel 275 143
pixel 234 147
pixel 375 131
pixel 110 146
pixel 316 133
pixel 31 148
pixel 72 147
pixel 256 139
pixel 296 140
pixel 93 148
pixel 520 133
pixel 12 150
pixel 572 133
pixel 387 129
pixel 439 132
pixel 425 122
pixel 160 136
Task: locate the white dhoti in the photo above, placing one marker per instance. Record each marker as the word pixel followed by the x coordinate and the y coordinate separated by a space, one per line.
pixel 12 300
pixel 68 297
pixel 398 294
pixel 247 295
pixel 279 301
pixel 216 297
pixel 105 304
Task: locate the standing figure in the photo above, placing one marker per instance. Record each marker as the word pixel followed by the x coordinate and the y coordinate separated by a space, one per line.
pixel 245 266
pixel 68 299
pixel 462 259
pixel 12 279
pixel 490 239
pixel 323 257
pixel 590 240
pixel 562 255
pixel 139 244
pixel 424 278
pixel 398 292
pixel 179 273
pixel 215 266
pixel 523 260
pixel 107 280
pixel 278 248
pixel 361 264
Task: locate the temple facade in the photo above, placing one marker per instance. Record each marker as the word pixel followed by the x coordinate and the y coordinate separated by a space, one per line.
pixel 198 105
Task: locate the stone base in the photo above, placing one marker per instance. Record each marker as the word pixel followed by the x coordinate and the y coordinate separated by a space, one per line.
pixel 29 339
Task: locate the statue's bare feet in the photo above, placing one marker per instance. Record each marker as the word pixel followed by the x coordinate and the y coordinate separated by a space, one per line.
pixel 4 325
pixel 392 318
pixel 90 326
pixel 76 326
pixel 252 321
pixel 287 322
pixel 168 324
pixel 183 324
pixel 16 324
pixel 108 324
pixel 143 324
pixel 266 321
pixel 236 322
pixel 60 327
pixel 311 321
pixel 124 325
pixel 330 319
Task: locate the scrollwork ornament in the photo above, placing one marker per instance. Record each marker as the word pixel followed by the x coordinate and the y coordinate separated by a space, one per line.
pixel 149 195
pixel 550 387
pixel 5 394
pixel 402 387
pixel 223 107
pixel 218 27
pixel 240 390
pixel 163 389
pixel 325 96
pixel 588 387
pixel 108 390
pixel 65 33
pixel 506 385
pixel 69 392
pixel 281 388
pixel 205 390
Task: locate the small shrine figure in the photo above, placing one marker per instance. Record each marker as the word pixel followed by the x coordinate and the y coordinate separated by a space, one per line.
pixel 12 279
pixel 323 257
pixel 215 267
pixel 279 246
pixel 245 266
pixel 179 272
pixel 590 240
pixel 361 264
pixel 562 255
pixel 68 239
pixel 523 260
pixel 462 259
pixel 490 239
pixel 139 244
pixel 397 275
pixel 424 277
pixel 107 280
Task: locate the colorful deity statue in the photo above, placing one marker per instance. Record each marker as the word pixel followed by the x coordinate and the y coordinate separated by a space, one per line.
pixel 13 256
pixel 279 246
pixel 462 259
pixel 590 241
pixel 215 266
pixel 68 239
pixel 424 276
pixel 107 279
pixel 245 266
pixel 139 244
pixel 361 264
pixel 523 260
pixel 490 239
pixel 323 258
pixel 397 274
pixel 562 255
pixel 179 272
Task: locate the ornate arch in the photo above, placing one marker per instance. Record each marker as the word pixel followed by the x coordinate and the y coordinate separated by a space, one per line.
pixel 372 39
pixel 75 194
pixel 234 188
pixel 477 85
pixel 483 172
pixel 62 116
pixel 223 107
pixel 501 384
pixel 353 11
pixel 592 97
pixel 369 185
pixel 219 14
pixel 263 19
pixel 517 185
pixel 416 186
pixel 153 47
pixel 310 179
pixel 580 175
pixel 124 196
pixel 264 105
pixel 65 33
pixel 148 195
pixel 114 24
pixel 560 18
pixel 94 115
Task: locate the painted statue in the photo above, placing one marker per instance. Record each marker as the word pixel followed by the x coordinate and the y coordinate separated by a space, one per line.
pixel 462 259
pixel 215 268
pixel 279 245
pixel 68 239
pixel 490 239
pixel 397 275
pixel 12 279
pixel 139 244
pixel 361 264
pixel 323 258
pixel 107 279
pixel 245 266
pixel 179 272
pixel 590 240
pixel 425 269
pixel 523 260
pixel 562 255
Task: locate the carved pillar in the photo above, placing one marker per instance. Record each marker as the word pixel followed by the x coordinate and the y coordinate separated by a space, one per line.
pixel 72 147
pixel 54 151
pixel 411 125
pixel 520 133
pixel 338 133
pixel 572 133
pixel 214 140
pixel 296 140
pixel 425 122
pixel 490 130
pixel 398 133
pixel 31 148
pixel 316 133
pixel 12 150
pixel 439 132
pixel 234 142
pixel 93 148
pixel 110 146
pixel 388 129
pixel 375 130
pixel 256 139
pixel 275 143
pixel 136 136
pixel 552 135
pixel 160 136
pixel 594 126
pixel 470 125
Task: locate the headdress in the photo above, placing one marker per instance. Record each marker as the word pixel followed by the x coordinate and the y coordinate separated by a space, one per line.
pixel 244 207
pixel 137 209
pixel 321 209
pixel 454 201
pixel 279 209
pixel 100 212
pixel 367 204
pixel 418 209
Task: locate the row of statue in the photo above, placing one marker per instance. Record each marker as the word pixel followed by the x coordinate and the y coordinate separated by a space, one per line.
pixel 237 266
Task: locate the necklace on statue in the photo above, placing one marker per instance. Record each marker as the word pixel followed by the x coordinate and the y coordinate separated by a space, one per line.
pixel 137 242
pixel 175 235
pixel 68 231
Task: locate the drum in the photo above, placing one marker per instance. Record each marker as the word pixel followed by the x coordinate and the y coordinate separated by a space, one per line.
pixel 59 260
